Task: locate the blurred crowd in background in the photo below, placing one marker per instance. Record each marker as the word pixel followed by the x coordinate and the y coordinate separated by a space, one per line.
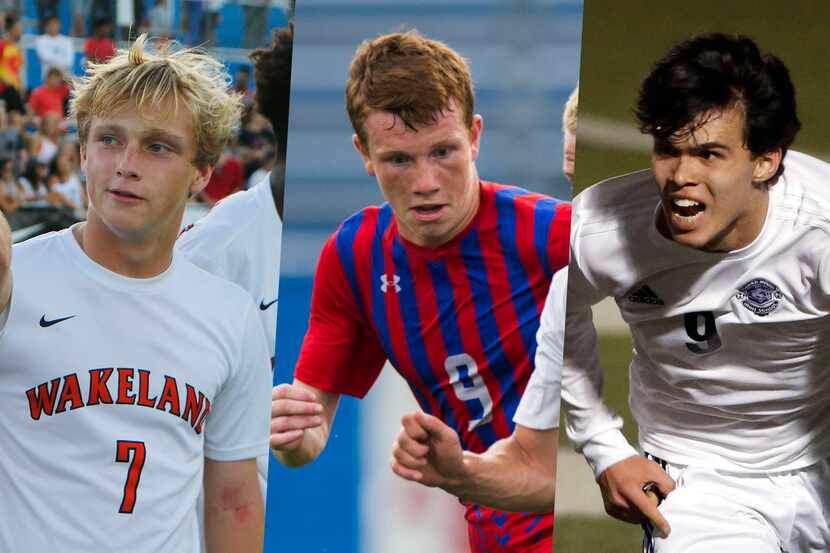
pixel 40 170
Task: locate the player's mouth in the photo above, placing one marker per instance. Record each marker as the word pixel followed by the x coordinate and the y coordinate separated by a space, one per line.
pixel 685 213
pixel 124 195
pixel 428 212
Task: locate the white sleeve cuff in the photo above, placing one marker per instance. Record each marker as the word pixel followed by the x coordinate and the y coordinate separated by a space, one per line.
pixel 606 449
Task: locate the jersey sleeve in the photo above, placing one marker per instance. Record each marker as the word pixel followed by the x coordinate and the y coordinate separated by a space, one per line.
pixel 540 403
pixel 592 427
pixel 341 352
pixel 239 423
pixel 559 237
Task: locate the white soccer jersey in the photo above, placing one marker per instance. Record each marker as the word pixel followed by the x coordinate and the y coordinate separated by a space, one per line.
pixel 540 403
pixel 112 392
pixel 240 240
pixel 730 349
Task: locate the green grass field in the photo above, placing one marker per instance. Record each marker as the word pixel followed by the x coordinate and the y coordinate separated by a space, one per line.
pixel 579 534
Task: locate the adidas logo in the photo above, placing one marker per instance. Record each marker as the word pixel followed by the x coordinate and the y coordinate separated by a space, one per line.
pixel 644 294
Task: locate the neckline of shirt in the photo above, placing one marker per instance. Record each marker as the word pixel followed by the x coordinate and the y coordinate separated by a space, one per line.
pixel 101 274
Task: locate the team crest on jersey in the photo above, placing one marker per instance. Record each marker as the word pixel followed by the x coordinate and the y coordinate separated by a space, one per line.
pixel 386 283
pixel 759 296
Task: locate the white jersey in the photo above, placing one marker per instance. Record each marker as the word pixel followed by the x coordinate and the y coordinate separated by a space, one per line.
pixel 240 240
pixel 113 390
pixel 730 349
pixel 540 403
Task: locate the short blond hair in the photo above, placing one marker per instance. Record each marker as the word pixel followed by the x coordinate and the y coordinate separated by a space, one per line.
pixel 569 115
pixel 162 79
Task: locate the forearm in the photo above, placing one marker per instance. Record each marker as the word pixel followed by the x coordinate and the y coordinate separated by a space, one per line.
pixel 234 516
pixel 515 474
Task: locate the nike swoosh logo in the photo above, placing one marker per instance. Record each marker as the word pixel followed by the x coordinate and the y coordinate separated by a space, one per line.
pixel 44 323
pixel 264 306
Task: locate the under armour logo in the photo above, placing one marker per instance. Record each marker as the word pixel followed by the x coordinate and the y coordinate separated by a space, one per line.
pixel 386 282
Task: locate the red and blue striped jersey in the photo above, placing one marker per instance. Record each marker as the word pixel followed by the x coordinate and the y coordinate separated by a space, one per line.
pixel 458 322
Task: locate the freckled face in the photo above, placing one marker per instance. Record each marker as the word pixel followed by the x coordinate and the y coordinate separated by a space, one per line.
pixel 428 175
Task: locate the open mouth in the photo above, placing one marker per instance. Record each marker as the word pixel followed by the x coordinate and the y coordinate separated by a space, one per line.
pixel 427 209
pixel 686 209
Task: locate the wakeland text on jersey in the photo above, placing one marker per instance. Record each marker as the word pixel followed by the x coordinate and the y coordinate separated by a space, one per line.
pixel 65 394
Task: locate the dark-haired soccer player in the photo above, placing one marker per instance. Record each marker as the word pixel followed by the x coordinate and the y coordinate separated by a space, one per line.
pixel 717 257
pixel 447 279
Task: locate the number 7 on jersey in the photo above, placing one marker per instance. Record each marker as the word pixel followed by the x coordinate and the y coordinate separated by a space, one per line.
pixel 122 455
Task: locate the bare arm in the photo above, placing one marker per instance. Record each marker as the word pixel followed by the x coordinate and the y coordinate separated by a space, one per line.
pixel 517 473
pixel 5 263
pixel 301 419
pixel 234 509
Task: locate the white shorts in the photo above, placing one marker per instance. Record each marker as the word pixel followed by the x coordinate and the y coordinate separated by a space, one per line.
pixel 713 511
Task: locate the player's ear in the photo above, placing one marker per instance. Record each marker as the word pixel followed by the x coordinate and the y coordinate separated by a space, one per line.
pixel 475 135
pixel 361 149
pixel 766 165
pixel 200 179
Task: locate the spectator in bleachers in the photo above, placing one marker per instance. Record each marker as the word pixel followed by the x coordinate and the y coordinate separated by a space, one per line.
pixel 100 46
pixel 158 20
pixel 11 141
pixel 80 15
pixel 48 139
pixel 46 9
pixel 10 194
pixel 211 21
pixel 68 182
pixel 8 8
pixel 264 165
pixel 192 22
pixel 241 80
pixel 256 21
pixel 34 181
pixel 11 57
pixel 228 177
pixel 54 49
pixel 50 97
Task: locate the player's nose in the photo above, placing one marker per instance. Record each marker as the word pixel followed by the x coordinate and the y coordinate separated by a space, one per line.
pixel 127 166
pixel 683 170
pixel 426 180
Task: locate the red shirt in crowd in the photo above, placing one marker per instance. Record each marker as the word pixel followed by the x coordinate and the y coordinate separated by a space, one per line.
pixel 99 49
pixel 45 99
pixel 227 178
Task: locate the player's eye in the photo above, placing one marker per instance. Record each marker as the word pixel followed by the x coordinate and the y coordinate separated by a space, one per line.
pixel 398 159
pixel 709 154
pixel 108 140
pixel 443 151
pixel 158 148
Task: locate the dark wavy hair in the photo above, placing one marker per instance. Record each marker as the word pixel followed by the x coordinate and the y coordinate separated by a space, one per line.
pixel 711 72
pixel 272 72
